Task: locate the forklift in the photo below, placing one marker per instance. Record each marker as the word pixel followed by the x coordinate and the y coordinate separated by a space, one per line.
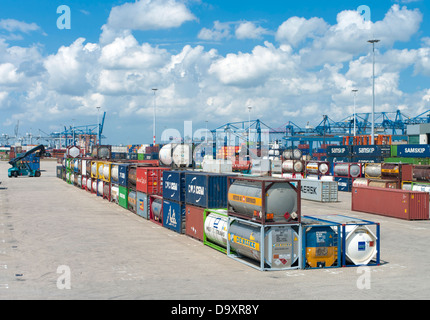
pixel 27 164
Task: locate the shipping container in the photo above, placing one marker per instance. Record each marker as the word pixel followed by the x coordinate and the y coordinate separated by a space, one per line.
pixel 321 244
pixel 413 150
pixel 343 184
pixel 174 215
pixel 402 160
pixel 339 151
pixel 132 200
pixel 265 248
pixel 372 151
pixel 207 190
pixel 360 239
pixel 415 173
pixel 156 209
pixel 194 226
pixel 265 200
pixel 362 159
pixel 149 180
pixel 396 203
pixel 142 203
pixel 174 185
pixel 60 172
pixel 123 174
pixel 104 152
pixel 123 196
pixel 319 190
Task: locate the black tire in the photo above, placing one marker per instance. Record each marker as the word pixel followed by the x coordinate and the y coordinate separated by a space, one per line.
pixel 15 174
pixel 37 174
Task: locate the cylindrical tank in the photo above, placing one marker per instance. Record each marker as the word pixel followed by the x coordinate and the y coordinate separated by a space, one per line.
pixel 421 187
pixel 292 166
pixel 94 169
pixel 288 154
pixel 390 170
pixel 79 180
pixel 360 244
pixel 114 193
pixel 114 173
pixel 216 228
pixel 281 200
pixel 317 167
pixel 89 184
pixel 156 208
pixel 407 186
pixel 372 170
pixel 132 175
pixel 421 174
pixel 94 185
pixel 341 169
pixel 360 182
pixel 84 181
pixel 106 171
pixel 297 154
pixel 281 243
pixel 182 155
pixel 165 155
pixel 354 170
pixel 100 187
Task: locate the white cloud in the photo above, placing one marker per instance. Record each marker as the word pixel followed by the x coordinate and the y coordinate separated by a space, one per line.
pixel 149 15
pixel 295 30
pixel 248 30
pixel 13 25
pixel 220 30
pixel 9 75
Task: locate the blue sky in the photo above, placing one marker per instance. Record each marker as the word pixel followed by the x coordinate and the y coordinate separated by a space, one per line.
pixel 290 60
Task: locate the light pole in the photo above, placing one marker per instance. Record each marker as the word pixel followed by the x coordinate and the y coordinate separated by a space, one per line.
pixel 98 126
pixel 373 91
pixel 355 94
pixel 155 90
pixel 249 124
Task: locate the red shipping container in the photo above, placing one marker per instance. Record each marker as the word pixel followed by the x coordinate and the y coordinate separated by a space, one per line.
pixel 194 222
pixel 396 203
pixel 149 180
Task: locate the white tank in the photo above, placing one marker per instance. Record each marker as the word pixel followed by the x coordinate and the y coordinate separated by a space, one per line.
pixel 297 154
pixel 88 184
pixel 94 169
pixel 79 181
pixel 373 170
pixel 215 228
pixel 287 154
pixel 182 155
pixel 94 186
pixel 317 167
pixel 114 173
pixel 360 244
pixel 292 166
pixel 106 171
pixel 165 154
pixel 360 182
pixel 114 193
pixel 156 207
pixel 84 181
pixel 421 187
pixel 100 187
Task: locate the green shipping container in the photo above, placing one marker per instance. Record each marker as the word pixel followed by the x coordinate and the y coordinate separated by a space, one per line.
pixel 140 156
pixel 394 150
pixel 414 139
pixel 418 161
pixel 123 197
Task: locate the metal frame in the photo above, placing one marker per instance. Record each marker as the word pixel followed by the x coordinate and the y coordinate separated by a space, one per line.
pixel 321 223
pixel 266 183
pixel 358 222
pixel 261 265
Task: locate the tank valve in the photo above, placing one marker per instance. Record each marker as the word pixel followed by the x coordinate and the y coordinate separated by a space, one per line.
pixel 294 215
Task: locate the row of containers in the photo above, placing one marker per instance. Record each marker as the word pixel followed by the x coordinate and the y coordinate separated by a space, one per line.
pixel 254 220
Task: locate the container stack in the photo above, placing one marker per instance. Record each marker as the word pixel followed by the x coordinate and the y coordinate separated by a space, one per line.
pixel 174 200
pixel 264 213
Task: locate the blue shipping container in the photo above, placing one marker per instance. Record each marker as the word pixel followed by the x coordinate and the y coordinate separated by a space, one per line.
pixel 174 215
pixel 207 190
pixel 343 184
pixel 339 151
pixel 368 159
pixel 142 205
pixel 123 174
pixel 372 151
pixel 174 185
pixel 413 150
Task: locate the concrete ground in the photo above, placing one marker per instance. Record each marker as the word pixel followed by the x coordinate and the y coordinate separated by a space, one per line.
pixel 50 230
